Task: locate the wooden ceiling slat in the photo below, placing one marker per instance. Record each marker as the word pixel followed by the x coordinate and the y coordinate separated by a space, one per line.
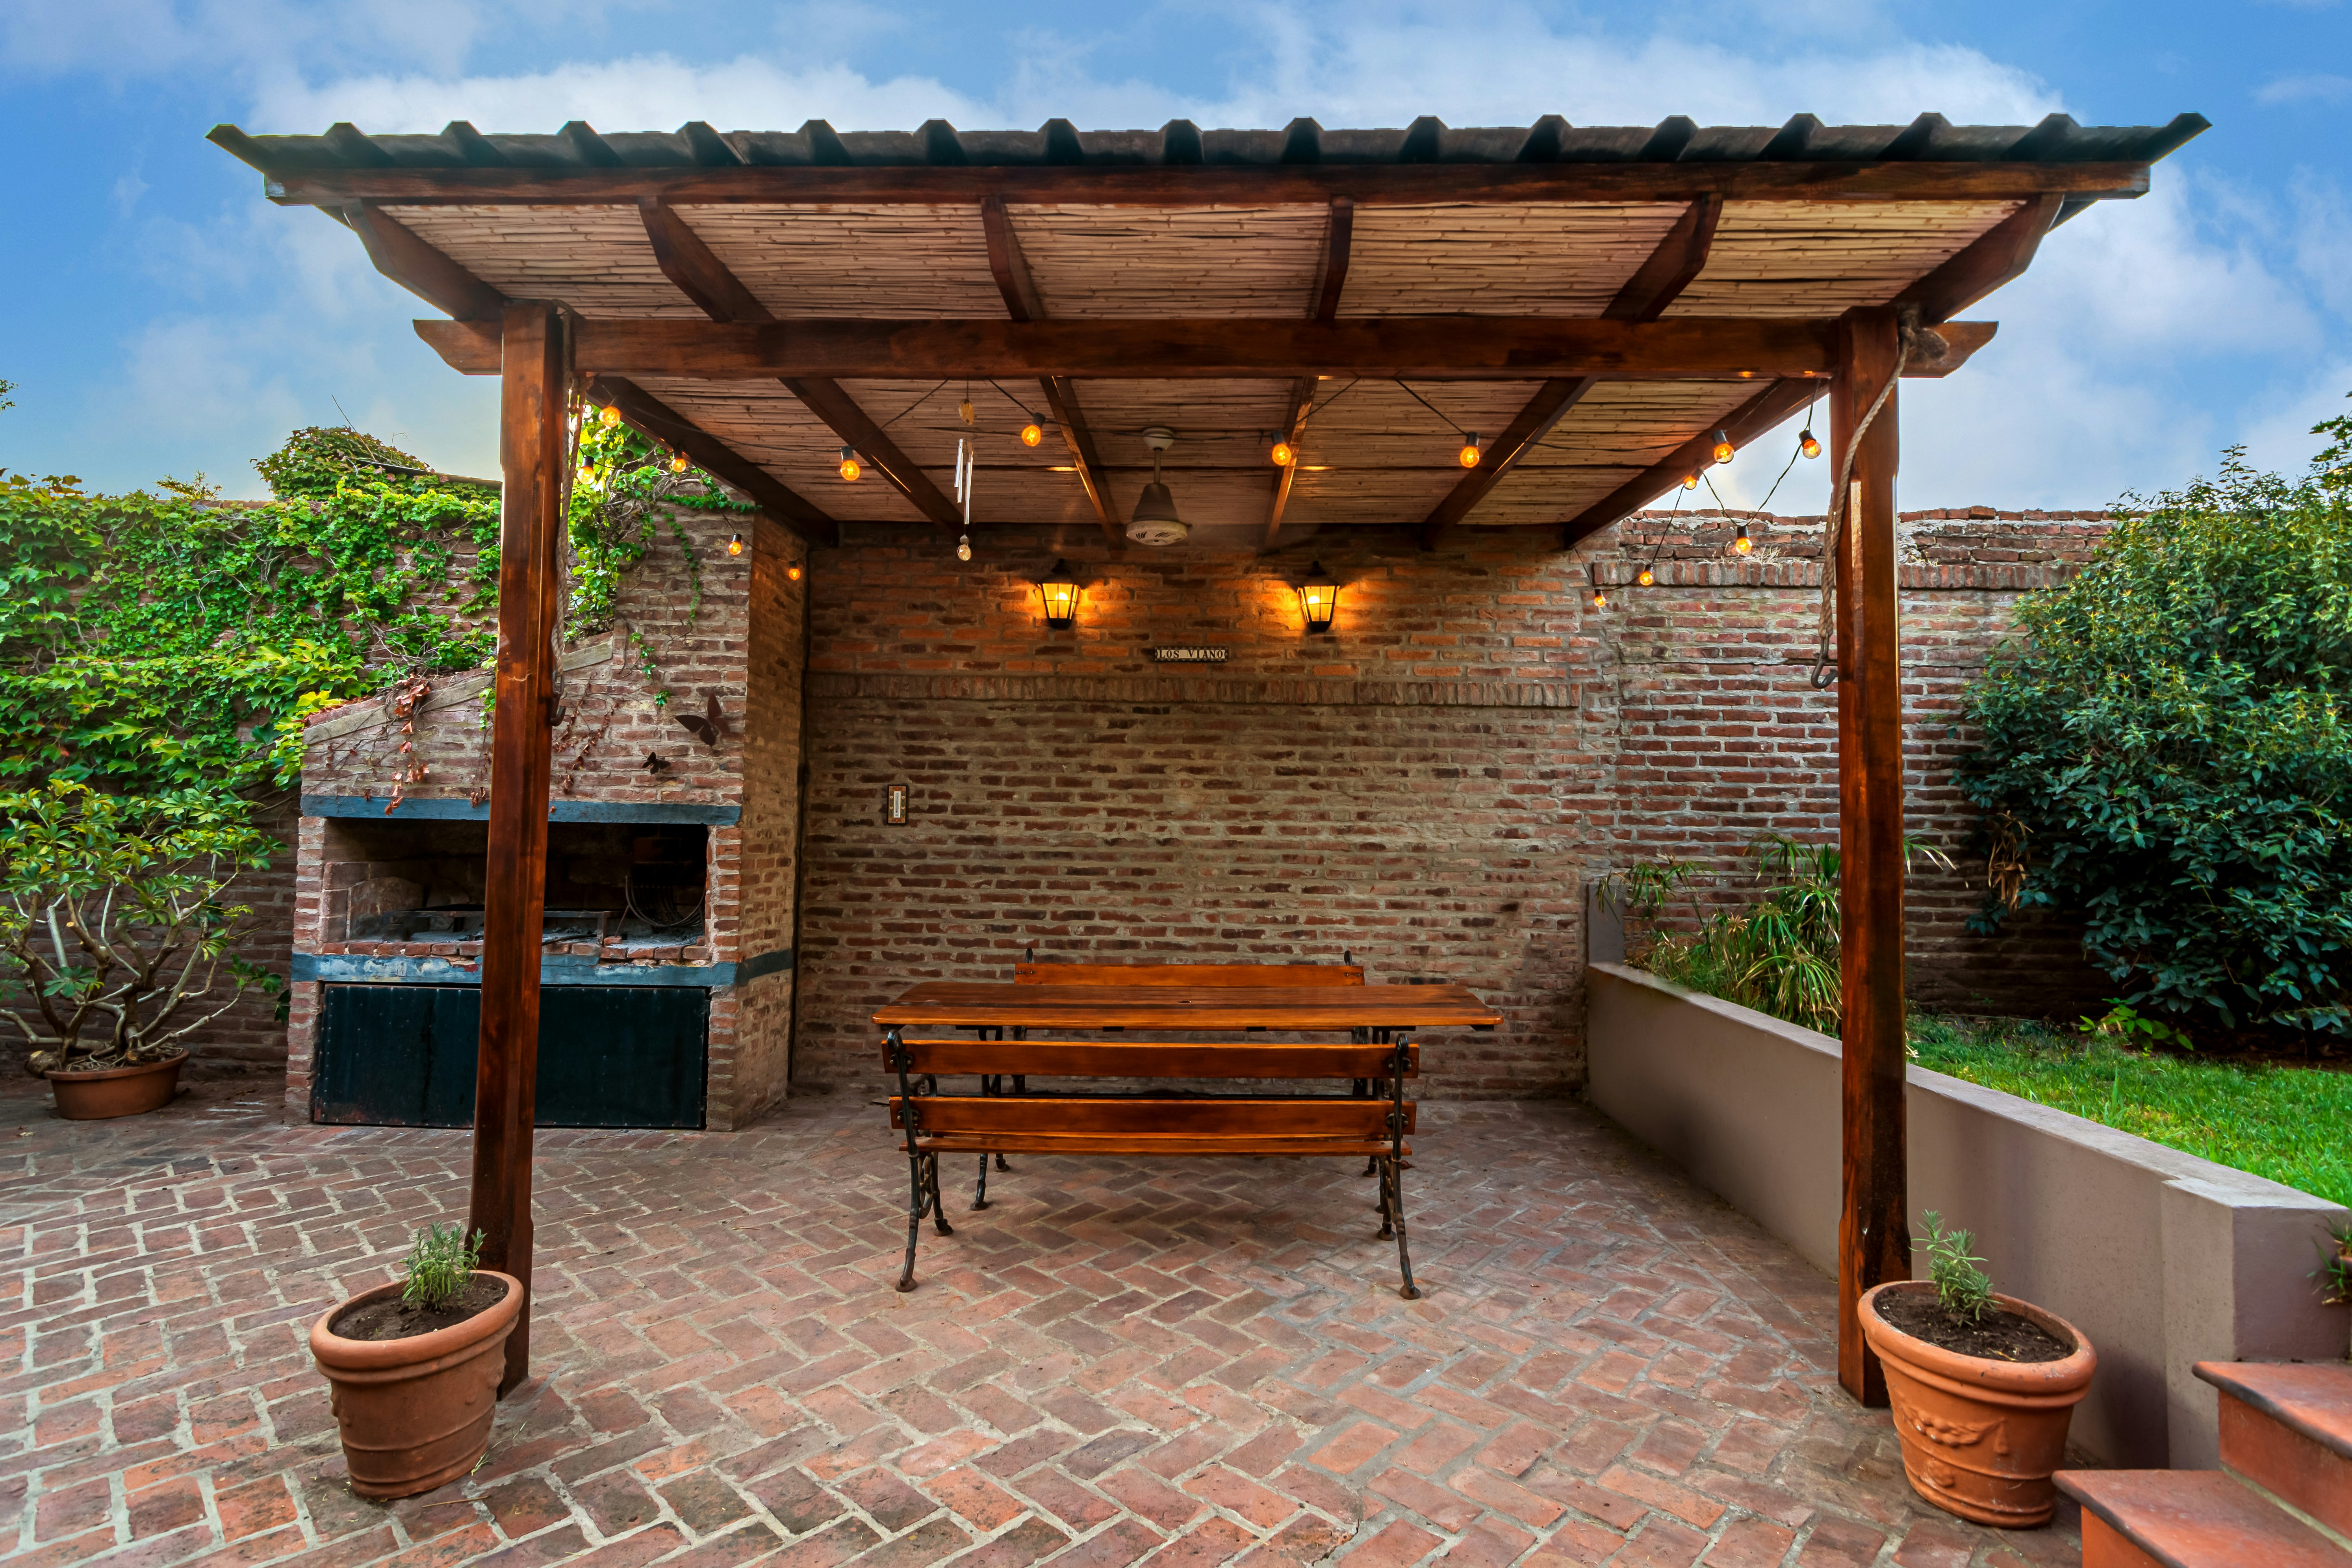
pixel 1092 262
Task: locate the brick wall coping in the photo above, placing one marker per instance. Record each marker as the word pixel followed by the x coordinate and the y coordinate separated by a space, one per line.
pixel 1940 514
pixel 462 809
pixel 839 685
pixel 1754 573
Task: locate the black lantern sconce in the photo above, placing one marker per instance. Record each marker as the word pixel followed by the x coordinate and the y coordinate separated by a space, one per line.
pixel 1318 598
pixel 1059 589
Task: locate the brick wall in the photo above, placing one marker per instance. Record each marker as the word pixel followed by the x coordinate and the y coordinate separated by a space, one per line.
pixel 1428 787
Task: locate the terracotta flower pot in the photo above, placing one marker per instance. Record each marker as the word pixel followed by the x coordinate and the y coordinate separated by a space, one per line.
pixel 1981 1437
pixel 116 1091
pixel 414 1413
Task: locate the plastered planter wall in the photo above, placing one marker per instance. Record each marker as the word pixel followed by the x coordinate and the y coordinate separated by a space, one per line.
pixel 2161 1258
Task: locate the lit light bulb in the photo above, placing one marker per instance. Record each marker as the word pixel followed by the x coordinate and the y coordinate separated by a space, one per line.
pixel 1741 544
pixel 1469 453
pixel 963 547
pixel 1690 481
pixel 1284 454
pixel 793 572
pixel 1030 434
pixel 850 466
pixel 587 474
pixel 678 463
pixel 1722 447
pixel 1600 599
pixel 611 417
pixel 735 545
pixel 1647 577
pixel 1807 445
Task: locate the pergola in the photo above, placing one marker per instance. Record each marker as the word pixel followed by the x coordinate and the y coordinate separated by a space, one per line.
pixel 1598 308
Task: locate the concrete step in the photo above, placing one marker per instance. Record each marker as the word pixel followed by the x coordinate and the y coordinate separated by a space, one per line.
pixel 2286 1427
pixel 2189 1518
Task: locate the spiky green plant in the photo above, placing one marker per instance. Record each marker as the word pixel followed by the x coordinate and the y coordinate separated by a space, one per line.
pixel 1965 1290
pixel 440 1264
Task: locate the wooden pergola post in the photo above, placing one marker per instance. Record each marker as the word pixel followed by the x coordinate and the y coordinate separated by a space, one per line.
pixel 532 450
pixel 1874 1234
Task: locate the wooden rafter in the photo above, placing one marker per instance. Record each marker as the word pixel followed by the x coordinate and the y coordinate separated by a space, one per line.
pixel 702 277
pixel 1472 348
pixel 2003 253
pixel 1323 305
pixel 417 266
pixel 651 417
pixel 1669 269
pixel 1023 303
pixel 1166 185
pixel 1750 420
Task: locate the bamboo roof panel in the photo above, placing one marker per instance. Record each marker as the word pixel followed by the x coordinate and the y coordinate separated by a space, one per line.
pixel 1817 258
pixel 596 259
pixel 1102 261
pixel 769 427
pixel 896 263
pixel 1536 259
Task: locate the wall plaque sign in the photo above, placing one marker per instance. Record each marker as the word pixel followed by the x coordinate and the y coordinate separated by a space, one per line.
pixel 1189 655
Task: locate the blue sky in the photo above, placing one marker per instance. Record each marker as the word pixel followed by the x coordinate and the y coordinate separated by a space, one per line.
pixel 163 319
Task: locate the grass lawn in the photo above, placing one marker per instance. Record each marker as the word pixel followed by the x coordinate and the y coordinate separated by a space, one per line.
pixel 2292 1124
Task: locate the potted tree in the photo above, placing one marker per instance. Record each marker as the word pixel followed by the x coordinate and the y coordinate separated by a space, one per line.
pixel 117 930
pixel 414 1366
pixel 1983 1385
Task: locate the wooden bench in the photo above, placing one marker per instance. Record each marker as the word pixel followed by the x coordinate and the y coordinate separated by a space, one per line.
pixel 1372 1120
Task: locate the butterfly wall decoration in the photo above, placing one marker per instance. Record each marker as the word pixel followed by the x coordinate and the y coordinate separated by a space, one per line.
pixel 710 726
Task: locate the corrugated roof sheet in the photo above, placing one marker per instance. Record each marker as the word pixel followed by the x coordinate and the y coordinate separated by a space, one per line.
pixel 1551 139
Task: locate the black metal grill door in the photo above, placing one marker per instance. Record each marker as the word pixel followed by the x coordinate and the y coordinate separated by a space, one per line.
pixel 609 1056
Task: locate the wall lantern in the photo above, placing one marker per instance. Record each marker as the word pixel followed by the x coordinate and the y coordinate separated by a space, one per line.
pixel 1318 596
pixel 1060 590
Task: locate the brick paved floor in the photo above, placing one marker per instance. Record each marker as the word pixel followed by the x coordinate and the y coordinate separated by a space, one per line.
pixel 1181 1363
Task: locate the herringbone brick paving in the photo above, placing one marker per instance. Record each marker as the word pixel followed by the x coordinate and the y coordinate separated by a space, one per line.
pixel 1119 1362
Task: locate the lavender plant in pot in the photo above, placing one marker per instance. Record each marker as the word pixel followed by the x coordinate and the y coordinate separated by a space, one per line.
pixel 1983 1385
pixel 119 935
pixel 415 1365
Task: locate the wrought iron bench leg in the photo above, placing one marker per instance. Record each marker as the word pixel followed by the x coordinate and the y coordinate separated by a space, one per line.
pixel 980 1198
pixel 938 1206
pixel 1393 1167
pixel 1392 1182
pixel 915 1207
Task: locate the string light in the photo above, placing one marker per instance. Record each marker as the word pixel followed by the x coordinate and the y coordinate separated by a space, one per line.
pixel 1284 454
pixel 963 547
pixel 1722 448
pixel 735 545
pixel 1690 481
pixel 850 466
pixel 678 463
pixel 611 417
pixel 1032 433
pixel 793 572
pixel 1741 544
pixel 1599 594
pixel 1646 577
pixel 1469 453
pixel 1807 445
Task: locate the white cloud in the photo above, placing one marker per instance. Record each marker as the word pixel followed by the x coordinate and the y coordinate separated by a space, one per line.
pixel 2318 88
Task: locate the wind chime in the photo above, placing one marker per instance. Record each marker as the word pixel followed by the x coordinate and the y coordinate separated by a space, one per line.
pixel 967 459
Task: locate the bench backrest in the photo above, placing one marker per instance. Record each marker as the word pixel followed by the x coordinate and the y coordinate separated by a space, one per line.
pixel 1152 1058
pixel 1193 975
pixel 1329 1117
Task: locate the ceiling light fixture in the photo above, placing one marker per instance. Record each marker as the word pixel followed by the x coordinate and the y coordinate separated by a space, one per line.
pixel 1154 521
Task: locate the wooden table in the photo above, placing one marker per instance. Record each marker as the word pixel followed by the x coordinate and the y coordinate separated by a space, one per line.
pixel 1306 1009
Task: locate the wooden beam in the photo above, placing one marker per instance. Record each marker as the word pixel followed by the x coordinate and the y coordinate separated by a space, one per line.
pixel 1679 257
pixel 1874 1231
pixel 1425 348
pixel 533 452
pixel 2003 253
pixel 1750 420
pixel 1212 184
pixel 424 271
pixel 1526 427
pixel 649 415
pixel 1322 305
pixel 702 277
pixel 699 275
pixel 1022 302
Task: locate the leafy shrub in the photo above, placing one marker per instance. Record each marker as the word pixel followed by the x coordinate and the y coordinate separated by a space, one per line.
pixel 116 928
pixel 440 1264
pixel 2168 750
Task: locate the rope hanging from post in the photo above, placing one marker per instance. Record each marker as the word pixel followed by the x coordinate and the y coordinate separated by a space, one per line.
pixel 1910 336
